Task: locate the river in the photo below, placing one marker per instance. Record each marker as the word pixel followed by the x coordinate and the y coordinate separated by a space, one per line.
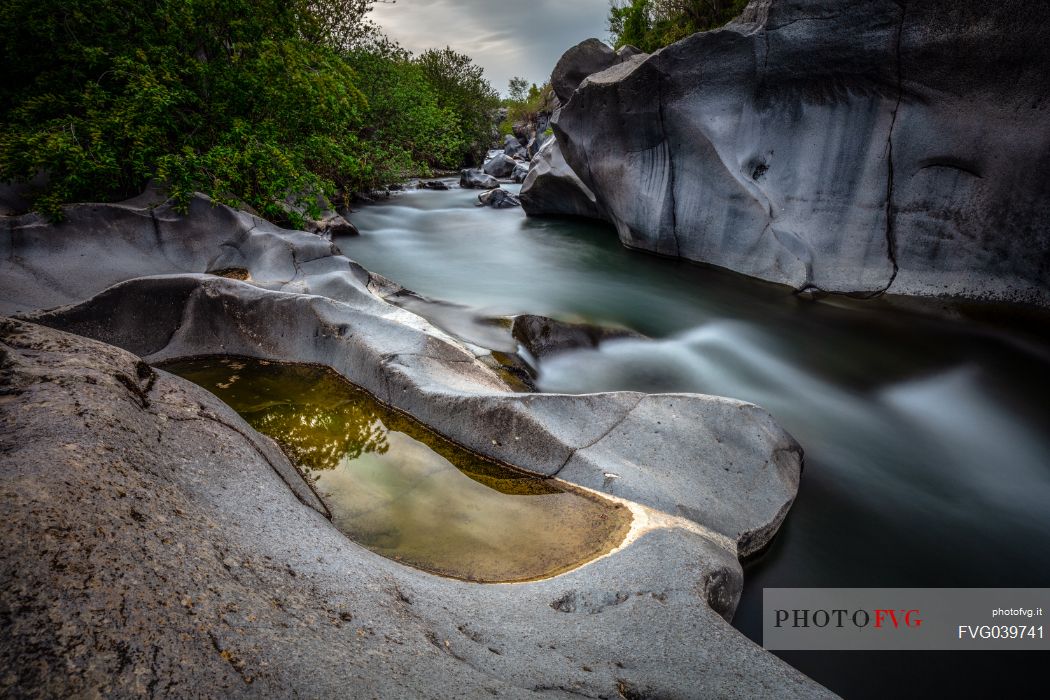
pixel 925 426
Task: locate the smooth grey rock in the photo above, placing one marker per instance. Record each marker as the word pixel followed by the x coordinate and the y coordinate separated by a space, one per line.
pixel 521 171
pixel 628 51
pixel 734 428
pixel 295 298
pixel 537 142
pixel 477 180
pixel 498 198
pixel 439 185
pixel 500 165
pixel 552 188
pixel 544 337
pixel 291 296
pixel 587 57
pixel 842 147
pixel 154 547
pixel 513 147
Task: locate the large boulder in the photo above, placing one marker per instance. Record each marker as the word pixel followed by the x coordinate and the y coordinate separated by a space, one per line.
pixel 477 180
pixel 586 58
pixel 512 147
pixel 167 284
pixel 500 165
pixel 863 148
pixel 553 188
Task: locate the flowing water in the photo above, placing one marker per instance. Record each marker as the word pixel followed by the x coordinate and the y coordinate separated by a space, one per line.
pixel 404 492
pixel 926 431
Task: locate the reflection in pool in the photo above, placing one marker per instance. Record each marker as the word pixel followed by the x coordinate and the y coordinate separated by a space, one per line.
pixel 404 492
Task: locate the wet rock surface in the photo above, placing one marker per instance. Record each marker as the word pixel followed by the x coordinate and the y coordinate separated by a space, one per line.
pixel 500 165
pixel 840 147
pixel 477 180
pixel 521 171
pixel 544 337
pixel 257 535
pixel 498 199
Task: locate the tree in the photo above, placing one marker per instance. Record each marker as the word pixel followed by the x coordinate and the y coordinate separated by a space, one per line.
pixel 518 89
pixel 461 88
pixel 248 101
pixel 652 24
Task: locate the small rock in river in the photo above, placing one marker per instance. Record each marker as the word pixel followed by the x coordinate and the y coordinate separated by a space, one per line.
pixel 498 198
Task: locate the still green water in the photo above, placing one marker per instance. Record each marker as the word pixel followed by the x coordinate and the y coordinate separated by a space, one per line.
pixel 401 490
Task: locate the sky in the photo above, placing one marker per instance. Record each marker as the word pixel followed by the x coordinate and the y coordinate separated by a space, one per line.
pixel 506 37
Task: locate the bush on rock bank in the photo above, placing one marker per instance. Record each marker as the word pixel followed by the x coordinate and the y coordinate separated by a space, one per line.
pixel 247 102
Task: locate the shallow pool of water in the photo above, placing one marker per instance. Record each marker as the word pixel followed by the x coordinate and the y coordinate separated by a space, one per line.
pixel 404 492
pixel 927 434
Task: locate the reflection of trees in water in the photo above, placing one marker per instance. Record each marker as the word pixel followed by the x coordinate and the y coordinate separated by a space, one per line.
pixel 315 416
pixel 319 437
pixel 320 419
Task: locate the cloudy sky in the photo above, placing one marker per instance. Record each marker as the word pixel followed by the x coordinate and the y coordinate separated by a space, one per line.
pixel 506 37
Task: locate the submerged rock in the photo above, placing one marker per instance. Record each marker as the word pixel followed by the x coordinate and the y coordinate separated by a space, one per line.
pixel 477 180
pixel 498 199
pixel 439 185
pixel 846 151
pixel 544 337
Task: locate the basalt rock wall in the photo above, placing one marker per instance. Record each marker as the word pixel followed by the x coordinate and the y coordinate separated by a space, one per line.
pixel 857 146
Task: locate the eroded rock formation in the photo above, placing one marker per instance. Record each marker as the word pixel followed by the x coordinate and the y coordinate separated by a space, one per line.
pixel 857 146
pixel 142 560
pixel 156 545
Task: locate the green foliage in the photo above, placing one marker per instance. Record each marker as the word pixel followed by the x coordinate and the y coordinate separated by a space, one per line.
pixel 518 89
pixel 249 101
pixel 462 89
pixel 533 101
pixel 653 24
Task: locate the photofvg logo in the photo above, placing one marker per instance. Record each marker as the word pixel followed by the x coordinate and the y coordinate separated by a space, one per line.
pixel 904 619
pixel 841 618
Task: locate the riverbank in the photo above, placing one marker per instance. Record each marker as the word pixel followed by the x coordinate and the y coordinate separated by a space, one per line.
pixel 220 282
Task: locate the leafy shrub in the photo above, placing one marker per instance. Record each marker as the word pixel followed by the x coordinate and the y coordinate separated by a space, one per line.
pixel 249 101
pixel 653 24
pixel 462 89
pixel 526 104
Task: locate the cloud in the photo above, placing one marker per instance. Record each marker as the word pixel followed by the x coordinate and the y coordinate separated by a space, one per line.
pixel 506 37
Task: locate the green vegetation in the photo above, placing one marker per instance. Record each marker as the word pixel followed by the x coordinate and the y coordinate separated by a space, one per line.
pixel 653 24
pixel 525 103
pixel 253 102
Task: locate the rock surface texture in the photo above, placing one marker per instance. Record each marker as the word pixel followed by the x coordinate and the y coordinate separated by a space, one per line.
pixel 155 543
pixel 477 180
pixel 498 198
pixel 858 146
pixel 153 546
pixel 552 188
pixel 500 165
